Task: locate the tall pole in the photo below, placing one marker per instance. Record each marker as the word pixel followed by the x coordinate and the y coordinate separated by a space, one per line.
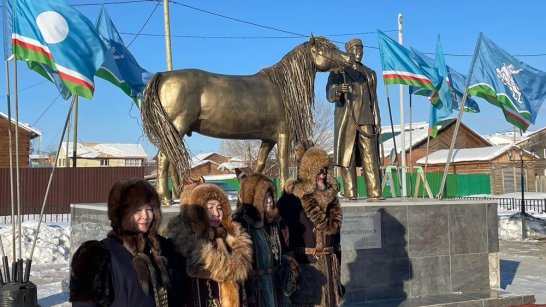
pixel 523 214
pixel 17 166
pixel 167 35
pixel 10 144
pixel 75 139
pixel 402 116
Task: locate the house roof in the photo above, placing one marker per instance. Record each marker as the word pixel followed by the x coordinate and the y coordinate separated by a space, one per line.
pixel 508 137
pixel 201 159
pixel 418 133
pixel 90 150
pixel 466 154
pixel 33 132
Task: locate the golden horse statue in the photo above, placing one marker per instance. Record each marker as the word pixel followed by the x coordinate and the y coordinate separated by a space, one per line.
pixel 273 105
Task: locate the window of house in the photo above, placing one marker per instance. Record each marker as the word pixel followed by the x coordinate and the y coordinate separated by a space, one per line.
pixel 104 162
pixel 133 162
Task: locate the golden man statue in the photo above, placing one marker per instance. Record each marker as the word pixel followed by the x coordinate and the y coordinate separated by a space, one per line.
pixel 357 123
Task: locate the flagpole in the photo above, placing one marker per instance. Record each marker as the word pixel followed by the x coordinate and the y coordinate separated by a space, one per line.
pixel 166 21
pixel 75 125
pixel 402 123
pixel 51 179
pixel 10 146
pixel 459 116
pixel 426 164
pixel 390 117
pixel 410 163
pixel 17 169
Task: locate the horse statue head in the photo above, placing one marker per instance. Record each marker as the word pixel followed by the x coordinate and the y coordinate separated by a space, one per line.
pixel 327 56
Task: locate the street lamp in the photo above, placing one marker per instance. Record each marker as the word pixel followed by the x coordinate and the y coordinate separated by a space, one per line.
pixel 522 179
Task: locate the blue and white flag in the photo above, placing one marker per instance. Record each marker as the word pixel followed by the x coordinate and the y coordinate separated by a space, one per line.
pixel 508 83
pixel 53 33
pixel 456 79
pixel 400 67
pixel 120 67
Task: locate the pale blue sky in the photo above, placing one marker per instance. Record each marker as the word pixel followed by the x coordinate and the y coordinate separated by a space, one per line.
pixel 518 27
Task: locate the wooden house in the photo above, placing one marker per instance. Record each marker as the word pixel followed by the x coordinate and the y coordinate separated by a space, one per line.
pixel 26 134
pixel 416 140
pixel 91 154
pixel 502 162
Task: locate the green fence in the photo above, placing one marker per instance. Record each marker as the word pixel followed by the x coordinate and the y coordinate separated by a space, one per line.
pixel 456 184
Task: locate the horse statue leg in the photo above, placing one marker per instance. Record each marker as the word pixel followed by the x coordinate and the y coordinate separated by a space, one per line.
pixel 265 149
pixel 283 145
pixel 162 179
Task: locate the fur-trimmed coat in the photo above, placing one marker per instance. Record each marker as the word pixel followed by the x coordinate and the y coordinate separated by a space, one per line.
pixel 313 218
pixel 218 259
pixel 102 274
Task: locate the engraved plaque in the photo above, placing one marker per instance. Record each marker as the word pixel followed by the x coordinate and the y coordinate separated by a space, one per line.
pixel 361 230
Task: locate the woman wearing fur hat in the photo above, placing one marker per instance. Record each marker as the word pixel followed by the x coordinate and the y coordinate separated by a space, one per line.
pixel 311 211
pixel 258 214
pixel 129 266
pixel 218 251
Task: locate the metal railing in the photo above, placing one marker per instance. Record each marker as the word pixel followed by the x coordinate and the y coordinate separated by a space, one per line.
pixel 534 205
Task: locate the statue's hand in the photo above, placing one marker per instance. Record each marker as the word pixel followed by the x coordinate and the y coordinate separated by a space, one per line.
pixel 345 88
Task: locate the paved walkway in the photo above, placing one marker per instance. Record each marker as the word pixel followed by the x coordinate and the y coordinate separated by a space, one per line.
pixel 523 268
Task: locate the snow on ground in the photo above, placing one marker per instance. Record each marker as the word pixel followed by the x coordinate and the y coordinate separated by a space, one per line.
pixel 51 257
pixel 52 246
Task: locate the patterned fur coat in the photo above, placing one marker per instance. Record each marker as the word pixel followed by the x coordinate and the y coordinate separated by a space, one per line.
pixel 313 218
pixel 218 259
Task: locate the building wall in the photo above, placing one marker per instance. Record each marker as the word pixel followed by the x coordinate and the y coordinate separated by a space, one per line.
pixel 24 145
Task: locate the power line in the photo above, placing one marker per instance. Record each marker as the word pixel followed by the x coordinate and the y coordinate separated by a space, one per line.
pixel 242 37
pixel 144 25
pixel 112 3
pixel 26 88
pixel 45 111
pixel 238 20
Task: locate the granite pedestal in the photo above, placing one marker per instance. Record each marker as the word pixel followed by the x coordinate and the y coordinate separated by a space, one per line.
pixel 416 252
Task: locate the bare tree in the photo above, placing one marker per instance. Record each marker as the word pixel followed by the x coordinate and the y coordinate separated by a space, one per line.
pixel 247 150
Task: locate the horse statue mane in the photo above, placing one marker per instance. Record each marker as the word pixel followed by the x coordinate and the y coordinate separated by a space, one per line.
pixel 294 75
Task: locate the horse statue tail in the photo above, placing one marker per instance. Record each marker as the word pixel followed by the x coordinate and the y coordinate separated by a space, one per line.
pixel 160 130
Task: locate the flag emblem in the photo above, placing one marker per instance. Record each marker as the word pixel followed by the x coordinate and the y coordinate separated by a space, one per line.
pixel 55 34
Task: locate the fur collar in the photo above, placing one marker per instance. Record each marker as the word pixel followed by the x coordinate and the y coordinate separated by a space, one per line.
pixel 252 194
pixel 226 258
pixel 325 217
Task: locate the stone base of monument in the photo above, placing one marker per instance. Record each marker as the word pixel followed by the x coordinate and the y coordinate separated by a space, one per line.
pixel 416 252
pixel 398 252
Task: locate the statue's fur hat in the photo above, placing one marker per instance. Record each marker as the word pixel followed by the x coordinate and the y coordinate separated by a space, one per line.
pixel 353 42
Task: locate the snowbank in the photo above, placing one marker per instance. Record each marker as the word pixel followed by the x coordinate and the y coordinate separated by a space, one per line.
pixel 52 247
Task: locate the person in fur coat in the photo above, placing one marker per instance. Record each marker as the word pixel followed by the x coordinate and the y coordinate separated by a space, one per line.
pixel 310 210
pixel 217 250
pixel 130 266
pixel 258 214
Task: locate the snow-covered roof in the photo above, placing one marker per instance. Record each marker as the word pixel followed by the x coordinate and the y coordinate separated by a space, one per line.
pixel 27 127
pixel 203 155
pixel 505 138
pixel 102 150
pixel 418 132
pixel 232 165
pixel 466 154
pixel 38 156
